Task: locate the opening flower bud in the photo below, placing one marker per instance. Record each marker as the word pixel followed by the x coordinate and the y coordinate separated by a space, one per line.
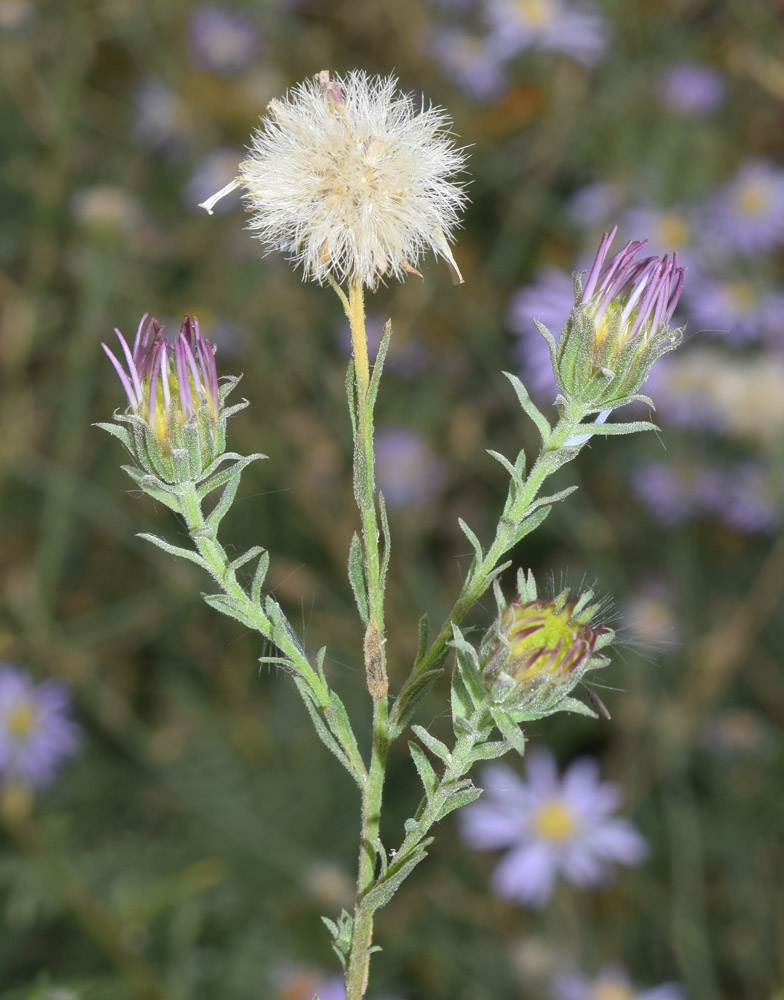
pixel 539 648
pixel 175 407
pixel 619 325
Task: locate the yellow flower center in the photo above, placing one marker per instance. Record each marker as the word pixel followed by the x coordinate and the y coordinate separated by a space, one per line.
pixel 611 991
pixel 672 230
pixel 554 821
pixel 21 720
pixel 753 198
pixel 536 12
pixel 542 628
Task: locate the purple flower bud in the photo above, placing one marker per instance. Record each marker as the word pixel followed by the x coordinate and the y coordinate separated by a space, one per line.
pixel 619 326
pixel 167 383
pixel 175 410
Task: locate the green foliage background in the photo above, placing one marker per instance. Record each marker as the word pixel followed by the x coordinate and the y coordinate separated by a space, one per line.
pixel 204 814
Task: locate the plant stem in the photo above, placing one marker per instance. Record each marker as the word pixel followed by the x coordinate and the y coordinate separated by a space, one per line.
pixel 480 576
pixel 375 666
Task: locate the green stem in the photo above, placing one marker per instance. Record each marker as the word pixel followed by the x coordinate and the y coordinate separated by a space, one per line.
pixel 216 562
pixel 480 575
pixel 375 658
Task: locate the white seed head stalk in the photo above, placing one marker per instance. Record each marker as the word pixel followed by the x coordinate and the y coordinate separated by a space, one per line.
pixel 353 180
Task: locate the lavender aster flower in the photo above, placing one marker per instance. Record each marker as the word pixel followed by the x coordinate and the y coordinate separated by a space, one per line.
pixel 612 983
pixel 407 471
pixel 667 229
pixel 748 213
pixel 472 61
pixel 162 121
pixel 692 89
pixel 737 307
pixel 36 732
pixel 671 493
pixel 222 39
pixel 550 825
pixel 576 29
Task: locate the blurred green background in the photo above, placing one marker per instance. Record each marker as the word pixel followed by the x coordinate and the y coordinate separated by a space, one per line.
pixel 203 816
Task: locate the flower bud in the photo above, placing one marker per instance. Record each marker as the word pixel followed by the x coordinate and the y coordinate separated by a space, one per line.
pixel 619 325
pixel 539 648
pixel 175 407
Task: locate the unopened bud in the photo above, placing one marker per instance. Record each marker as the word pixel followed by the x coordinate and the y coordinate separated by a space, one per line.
pixel 539 648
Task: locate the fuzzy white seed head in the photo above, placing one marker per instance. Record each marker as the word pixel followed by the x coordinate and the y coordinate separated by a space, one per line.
pixel 353 180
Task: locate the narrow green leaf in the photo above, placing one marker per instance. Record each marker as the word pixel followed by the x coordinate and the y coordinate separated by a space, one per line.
pixel 258 578
pixel 417 693
pixel 503 460
pixel 435 746
pixel 221 508
pixel 385 889
pixel 154 487
pixel 528 405
pixel 491 750
pixel 512 732
pixel 116 431
pixel 226 606
pixel 173 550
pixel 378 367
pixel 553 498
pixel 424 633
pixel 605 430
pixel 340 725
pixel 324 734
pixel 356 577
pixel 427 775
pixel 462 705
pixel 352 398
pixel 246 557
pixel 382 511
pixel 475 543
pixel 211 479
pixel 457 801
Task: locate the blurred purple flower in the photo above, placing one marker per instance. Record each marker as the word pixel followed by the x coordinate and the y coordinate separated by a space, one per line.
pixel 550 824
pixel 738 308
pixel 550 300
pixel 576 29
pixel 214 172
pixel 612 983
pixel 407 357
pixel 332 989
pixel 161 118
pixel 671 494
pixel 407 472
pixel 747 214
pixel 692 88
pixel 36 732
pixel 665 229
pixel 222 39
pixel 594 204
pixel 471 60
pixel 743 497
